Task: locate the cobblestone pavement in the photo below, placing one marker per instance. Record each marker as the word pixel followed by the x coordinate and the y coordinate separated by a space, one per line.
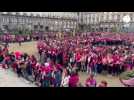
pixel 10 79
pixel 113 81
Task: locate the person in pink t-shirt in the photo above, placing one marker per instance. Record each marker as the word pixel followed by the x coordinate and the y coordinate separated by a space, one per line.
pixel 7 61
pixel 78 58
pixel 74 80
pixel 103 84
pixel 90 82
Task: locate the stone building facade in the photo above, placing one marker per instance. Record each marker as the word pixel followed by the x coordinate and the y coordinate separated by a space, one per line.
pixel 106 21
pixel 49 22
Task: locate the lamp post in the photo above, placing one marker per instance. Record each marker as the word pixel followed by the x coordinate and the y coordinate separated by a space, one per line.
pixel 78 19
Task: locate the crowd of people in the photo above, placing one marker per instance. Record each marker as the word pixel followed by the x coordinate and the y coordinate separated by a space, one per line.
pixel 43 75
pixel 87 55
pixel 61 59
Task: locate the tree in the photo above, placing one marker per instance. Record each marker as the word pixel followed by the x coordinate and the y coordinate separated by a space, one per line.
pixel 1 32
pixel 18 31
pixel 89 28
pixel 114 29
pixel 15 31
pixel 27 32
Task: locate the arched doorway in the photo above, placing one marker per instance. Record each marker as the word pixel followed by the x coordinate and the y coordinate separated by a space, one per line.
pixel 47 28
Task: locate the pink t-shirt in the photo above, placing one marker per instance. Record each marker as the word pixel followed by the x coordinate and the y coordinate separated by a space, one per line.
pixel 78 57
pixel 91 83
pixel 104 60
pixel 73 81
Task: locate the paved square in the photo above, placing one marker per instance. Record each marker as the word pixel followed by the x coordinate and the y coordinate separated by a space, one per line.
pixel 8 78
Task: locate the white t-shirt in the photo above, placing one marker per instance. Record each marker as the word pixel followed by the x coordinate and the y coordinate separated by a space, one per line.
pixel 72 59
pixel 89 58
pixel 65 81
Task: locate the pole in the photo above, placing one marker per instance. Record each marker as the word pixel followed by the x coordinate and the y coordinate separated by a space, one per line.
pixel 77 24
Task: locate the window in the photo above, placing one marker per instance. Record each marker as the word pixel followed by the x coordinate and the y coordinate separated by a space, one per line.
pixel 10 19
pixel 97 19
pixel 26 20
pixel 30 20
pixel 19 20
pixel 121 17
pixel 118 17
pixel 7 20
pixel 65 24
pixel 110 16
pixel 86 19
pixel 36 21
pixel 133 17
pixel 101 17
pixel 46 21
pixel 115 17
pixel 104 17
pixel 3 19
pixel 41 22
pixel 93 19
pixel 89 19
pixel 22 20
pixel 14 19
pixel 107 16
